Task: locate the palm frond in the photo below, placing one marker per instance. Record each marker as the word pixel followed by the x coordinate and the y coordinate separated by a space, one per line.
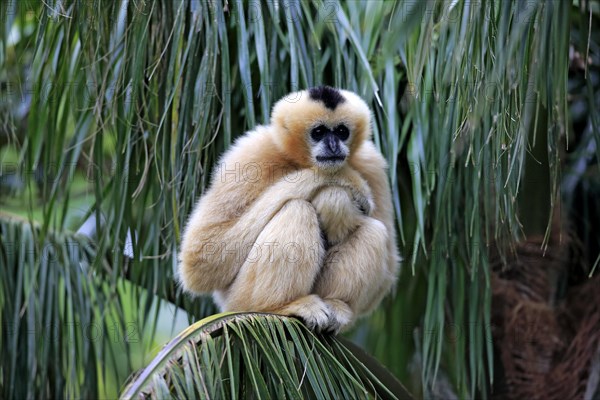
pixel 260 356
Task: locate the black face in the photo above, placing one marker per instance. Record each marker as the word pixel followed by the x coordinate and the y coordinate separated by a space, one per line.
pixel 332 140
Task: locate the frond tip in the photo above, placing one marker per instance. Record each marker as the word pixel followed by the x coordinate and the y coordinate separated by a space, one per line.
pixel 253 355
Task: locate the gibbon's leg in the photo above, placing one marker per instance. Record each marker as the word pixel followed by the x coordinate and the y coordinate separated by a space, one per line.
pixel 355 277
pixel 281 268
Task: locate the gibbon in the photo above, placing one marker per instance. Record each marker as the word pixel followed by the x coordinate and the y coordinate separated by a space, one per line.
pixel 298 218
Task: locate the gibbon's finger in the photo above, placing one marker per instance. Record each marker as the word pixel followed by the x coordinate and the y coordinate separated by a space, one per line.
pixel 364 203
pixel 361 192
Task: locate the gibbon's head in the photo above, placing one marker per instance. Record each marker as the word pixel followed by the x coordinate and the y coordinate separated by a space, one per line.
pixel 321 126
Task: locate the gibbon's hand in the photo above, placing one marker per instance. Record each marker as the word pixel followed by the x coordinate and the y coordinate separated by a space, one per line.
pixel 339 215
pixel 356 186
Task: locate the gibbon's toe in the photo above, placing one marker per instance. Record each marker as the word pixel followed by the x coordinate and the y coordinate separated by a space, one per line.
pixel 311 310
pixel 340 316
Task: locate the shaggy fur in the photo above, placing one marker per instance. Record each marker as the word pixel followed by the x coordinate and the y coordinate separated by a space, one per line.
pixel 255 239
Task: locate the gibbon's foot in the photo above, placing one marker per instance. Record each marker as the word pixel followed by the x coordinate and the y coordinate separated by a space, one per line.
pixel 311 309
pixel 322 316
pixel 340 316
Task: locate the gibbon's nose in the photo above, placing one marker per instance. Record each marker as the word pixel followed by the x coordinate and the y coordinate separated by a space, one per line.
pixel 332 145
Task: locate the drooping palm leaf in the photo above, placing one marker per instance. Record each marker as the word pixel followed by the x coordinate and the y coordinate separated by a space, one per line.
pixel 240 356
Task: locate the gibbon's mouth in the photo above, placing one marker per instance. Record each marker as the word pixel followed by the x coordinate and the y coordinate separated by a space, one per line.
pixel 331 159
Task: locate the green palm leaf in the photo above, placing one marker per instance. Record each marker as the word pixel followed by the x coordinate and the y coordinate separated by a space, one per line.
pixel 264 356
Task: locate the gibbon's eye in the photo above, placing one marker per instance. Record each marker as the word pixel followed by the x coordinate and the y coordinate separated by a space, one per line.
pixel 318 133
pixel 342 132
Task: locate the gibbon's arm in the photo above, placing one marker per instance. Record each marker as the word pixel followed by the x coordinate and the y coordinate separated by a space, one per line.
pixel 213 248
pixel 365 258
pixel 372 167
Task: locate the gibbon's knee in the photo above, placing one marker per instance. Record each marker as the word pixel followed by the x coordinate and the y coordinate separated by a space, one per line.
pixel 360 263
pixel 282 264
pixel 201 267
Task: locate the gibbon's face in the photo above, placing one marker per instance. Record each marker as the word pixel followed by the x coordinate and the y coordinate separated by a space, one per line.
pixel 329 145
pixel 321 127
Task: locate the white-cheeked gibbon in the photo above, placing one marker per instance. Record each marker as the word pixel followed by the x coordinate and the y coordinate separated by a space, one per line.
pixel 298 218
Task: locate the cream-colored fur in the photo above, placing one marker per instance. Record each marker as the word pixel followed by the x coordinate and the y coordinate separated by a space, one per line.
pixel 255 239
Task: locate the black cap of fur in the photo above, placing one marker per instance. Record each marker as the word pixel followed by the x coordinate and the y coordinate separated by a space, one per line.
pixel 331 97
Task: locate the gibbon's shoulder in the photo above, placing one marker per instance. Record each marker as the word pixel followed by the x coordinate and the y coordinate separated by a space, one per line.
pixel 254 159
pixel 250 146
pixel 253 148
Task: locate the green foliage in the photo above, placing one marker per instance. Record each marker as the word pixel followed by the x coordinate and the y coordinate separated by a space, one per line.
pixel 41 354
pixel 129 104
